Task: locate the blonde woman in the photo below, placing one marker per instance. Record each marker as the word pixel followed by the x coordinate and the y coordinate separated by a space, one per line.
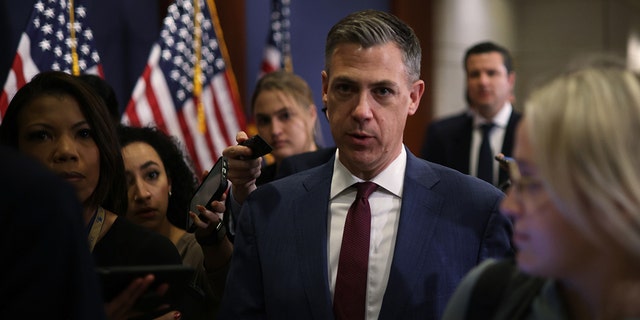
pixel 575 203
pixel 285 116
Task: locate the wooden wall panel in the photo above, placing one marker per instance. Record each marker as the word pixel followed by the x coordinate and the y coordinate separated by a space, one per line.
pixel 418 14
pixel 232 19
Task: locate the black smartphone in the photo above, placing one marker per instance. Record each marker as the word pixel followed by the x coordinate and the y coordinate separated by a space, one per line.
pixel 258 146
pixel 212 188
pixel 115 279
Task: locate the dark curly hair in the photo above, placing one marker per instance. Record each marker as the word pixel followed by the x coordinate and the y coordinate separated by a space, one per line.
pixel 111 191
pixel 178 167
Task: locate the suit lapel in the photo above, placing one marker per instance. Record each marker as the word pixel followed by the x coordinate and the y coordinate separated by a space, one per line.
pixel 310 225
pixel 419 215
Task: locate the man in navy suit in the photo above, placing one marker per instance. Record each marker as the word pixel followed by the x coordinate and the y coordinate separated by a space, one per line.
pixel 455 141
pixel 429 224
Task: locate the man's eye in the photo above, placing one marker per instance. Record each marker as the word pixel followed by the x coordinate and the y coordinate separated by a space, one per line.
pixel 383 91
pixel 343 88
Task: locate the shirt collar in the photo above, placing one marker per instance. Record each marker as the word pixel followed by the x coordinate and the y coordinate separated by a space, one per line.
pixel 501 119
pixel 390 179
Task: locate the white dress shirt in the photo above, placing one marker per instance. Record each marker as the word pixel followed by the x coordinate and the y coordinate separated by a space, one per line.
pixel 496 139
pixel 385 204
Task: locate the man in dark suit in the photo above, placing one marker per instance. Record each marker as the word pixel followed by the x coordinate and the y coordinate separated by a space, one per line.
pixel 456 142
pixel 425 227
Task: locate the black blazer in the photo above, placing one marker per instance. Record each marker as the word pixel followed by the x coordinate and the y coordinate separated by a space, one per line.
pixel 448 142
pixel 304 161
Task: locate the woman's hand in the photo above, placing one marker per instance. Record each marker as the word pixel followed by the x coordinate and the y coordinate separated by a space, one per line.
pixel 216 255
pixel 121 307
pixel 208 220
pixel 171 315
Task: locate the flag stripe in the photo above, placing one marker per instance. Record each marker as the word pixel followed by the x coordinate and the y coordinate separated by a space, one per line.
pixel 164 93
pixel 277 52
pixel 46 45
pixel 188 141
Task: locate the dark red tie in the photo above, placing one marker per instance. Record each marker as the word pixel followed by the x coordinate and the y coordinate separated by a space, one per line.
pixel 349 298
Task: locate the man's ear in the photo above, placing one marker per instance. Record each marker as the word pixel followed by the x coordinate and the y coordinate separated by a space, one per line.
pixel 512 79
pixel 415 94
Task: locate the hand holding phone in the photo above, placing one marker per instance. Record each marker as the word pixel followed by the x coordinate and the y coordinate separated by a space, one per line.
pixel 212 188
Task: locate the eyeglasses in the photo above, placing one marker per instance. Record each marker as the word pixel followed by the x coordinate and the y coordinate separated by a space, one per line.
pixel 523 184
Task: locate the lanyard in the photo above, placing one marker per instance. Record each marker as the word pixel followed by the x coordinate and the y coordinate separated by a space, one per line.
pixel 95 227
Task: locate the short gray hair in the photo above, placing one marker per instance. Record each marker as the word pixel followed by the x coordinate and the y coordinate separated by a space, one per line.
pixel 369 28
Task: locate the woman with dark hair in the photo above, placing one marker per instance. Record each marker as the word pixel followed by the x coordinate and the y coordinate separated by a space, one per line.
pixel 61 122
pixel 59 87
pixel 160 186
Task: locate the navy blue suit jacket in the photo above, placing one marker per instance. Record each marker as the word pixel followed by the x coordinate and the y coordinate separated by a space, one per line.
pixel 449 222
pixel 448 142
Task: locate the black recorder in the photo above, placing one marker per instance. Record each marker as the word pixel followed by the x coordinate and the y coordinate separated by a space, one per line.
pixel 258 146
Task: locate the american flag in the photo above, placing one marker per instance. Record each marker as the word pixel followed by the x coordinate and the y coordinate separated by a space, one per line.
pixel 56 38
pixel 187 89
pixel 277 52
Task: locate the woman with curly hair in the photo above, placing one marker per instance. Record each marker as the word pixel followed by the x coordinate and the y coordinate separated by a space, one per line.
pixel 160 184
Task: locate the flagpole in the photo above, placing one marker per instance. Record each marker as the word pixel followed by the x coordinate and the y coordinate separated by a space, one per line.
pixel 197 70
pixel 213 12
pixel 74 53
pixel 288 61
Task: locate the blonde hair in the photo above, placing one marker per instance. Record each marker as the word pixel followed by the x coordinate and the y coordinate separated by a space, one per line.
pixel 291 85
pixel 287 82
pixel 585 128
